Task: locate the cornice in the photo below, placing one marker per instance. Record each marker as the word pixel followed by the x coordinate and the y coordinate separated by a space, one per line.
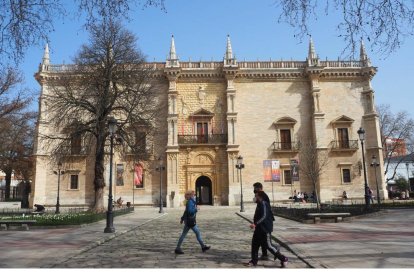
pixel 260 70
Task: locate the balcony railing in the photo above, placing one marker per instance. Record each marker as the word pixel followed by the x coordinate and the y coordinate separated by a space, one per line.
pixel 285 146
pixel 202 139
pixel 74 150
pixel 344 145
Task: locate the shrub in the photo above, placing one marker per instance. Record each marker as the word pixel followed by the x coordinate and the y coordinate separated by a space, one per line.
pixel 48 219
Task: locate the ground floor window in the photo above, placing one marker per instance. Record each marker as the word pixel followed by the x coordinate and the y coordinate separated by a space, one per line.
pixel 346 175
pixel 74 182
pixel 119 174
pixel 287 177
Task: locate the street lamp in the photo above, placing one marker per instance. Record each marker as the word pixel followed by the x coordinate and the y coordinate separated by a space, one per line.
pixel 408 175
pixel 361 134
pixel 59 172
pixel 375 165
pixel 160 168
pixel 240 166
pixel 109 214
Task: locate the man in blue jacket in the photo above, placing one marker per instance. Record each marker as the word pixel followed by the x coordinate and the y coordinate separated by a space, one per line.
pixel 189 219
pixel 263 227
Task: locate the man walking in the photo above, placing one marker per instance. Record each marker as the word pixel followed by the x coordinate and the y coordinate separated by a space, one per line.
pixel 263 227
pixel 256 188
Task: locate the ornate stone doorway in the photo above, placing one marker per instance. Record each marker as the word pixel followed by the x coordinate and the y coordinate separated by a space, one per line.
pixel 204 191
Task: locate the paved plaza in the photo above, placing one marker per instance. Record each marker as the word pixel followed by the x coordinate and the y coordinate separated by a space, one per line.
pixel 147 239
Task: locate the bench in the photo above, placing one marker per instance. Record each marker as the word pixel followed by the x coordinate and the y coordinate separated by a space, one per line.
pixel 337 216
pixel 4 224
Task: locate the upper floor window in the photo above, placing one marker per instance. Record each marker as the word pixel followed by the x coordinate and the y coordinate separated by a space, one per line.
pixel 75 143
pixel 202 132
pixel 343 139
pixel 284 132
pixel 342 128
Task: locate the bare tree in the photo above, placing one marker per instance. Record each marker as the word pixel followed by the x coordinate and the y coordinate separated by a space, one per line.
pixel 109 78
pixel 17 146
pixel 312 163
pixel 24 23
pixel 12 99
pixel 385 24
pixel 399 128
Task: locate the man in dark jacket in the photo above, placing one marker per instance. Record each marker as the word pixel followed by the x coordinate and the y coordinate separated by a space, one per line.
pixel 256 188
pixel 263 227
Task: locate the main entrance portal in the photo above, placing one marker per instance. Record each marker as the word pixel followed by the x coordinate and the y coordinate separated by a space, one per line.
pixel 204 191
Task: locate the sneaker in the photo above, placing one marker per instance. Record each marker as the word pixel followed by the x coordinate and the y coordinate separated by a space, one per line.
pixel 178 251
pixel 264 257
pixel 205 248
pixel 250 264
pixel 284 263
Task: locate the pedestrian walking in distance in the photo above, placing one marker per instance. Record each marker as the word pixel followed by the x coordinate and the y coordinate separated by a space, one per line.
pixel 263 227
pixel 189 219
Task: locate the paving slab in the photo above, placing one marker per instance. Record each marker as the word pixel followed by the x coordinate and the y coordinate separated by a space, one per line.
pixel 147 239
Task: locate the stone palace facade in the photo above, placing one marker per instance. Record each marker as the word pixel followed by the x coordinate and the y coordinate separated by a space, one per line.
pixel 264 111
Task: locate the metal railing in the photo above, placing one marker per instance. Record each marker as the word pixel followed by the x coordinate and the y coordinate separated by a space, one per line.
pixel 202 139
pixel 285 146
pixel 344 144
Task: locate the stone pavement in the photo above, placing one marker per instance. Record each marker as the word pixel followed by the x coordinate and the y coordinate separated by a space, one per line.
pixel 146 239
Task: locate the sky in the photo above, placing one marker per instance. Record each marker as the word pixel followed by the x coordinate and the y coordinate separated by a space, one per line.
pixel 200 29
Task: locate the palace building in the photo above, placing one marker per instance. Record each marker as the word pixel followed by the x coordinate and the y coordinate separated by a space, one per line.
pixel 264 111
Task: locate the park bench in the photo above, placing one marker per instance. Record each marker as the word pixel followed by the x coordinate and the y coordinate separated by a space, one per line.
pixel 4 224
pixel 337 216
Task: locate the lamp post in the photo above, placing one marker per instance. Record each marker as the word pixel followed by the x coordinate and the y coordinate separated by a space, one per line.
pixel 59 172
pixel 408 175
pixel 109 214
pixel 375 165
pixel 240 166
pixel 361 134
pixel 160 168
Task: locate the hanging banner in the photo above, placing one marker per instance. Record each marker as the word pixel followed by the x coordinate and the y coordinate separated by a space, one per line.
pixel 271 170
pixel 294 166
pixel 138 176
pixel 119 174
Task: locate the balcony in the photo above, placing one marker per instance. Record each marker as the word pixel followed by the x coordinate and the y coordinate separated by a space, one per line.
pixel 345 145
pixel 285 146
pixel 210 139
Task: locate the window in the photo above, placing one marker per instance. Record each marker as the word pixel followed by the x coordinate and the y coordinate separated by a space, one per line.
pixel 202 133
pixel 343 139
pixel 285 139
pixel 285 128
pixel 344 134
pixel 141 140
pixel 119 174
pixel 75 143
pixel 346 176
pixel 74 182
pixel 287 176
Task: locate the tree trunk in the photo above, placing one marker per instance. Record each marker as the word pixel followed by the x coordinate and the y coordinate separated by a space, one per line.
pixel 318 205
pixel 99 181
pixel 8 183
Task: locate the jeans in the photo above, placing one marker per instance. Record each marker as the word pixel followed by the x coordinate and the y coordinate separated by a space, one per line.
pixel 185 231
